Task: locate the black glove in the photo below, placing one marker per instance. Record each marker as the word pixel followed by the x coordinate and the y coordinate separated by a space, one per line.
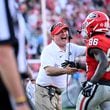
pixel 88 88
pixel 70 63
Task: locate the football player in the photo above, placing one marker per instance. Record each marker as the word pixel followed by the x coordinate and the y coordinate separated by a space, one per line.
pixel 96 90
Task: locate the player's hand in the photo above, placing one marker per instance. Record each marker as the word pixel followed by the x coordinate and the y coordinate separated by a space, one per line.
pixel 66 63
pixel 89 88
pixel 70 70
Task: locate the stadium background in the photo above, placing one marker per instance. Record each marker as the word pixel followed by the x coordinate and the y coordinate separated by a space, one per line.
pixel 41 14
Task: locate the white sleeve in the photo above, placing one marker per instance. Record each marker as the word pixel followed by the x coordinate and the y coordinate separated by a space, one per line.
pixel 74 50
pixel 46 58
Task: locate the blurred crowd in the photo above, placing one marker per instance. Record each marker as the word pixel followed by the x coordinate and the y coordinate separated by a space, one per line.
pixel 72 12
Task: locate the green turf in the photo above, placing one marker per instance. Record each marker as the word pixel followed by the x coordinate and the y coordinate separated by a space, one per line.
pixel 68 109
pixel 74 109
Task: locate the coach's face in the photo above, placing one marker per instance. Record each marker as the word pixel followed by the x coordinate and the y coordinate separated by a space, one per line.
pixel 61 38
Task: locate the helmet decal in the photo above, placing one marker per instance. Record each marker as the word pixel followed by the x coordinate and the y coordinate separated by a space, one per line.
pixel 92 15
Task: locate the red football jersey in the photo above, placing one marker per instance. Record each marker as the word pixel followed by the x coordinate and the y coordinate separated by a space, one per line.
pixel 102 42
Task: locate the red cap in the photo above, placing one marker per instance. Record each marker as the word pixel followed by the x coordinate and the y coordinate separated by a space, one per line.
pixel 58 27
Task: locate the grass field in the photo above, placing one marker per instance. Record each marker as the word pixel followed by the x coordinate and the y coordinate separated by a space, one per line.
pixel 68 109
pixel 74 109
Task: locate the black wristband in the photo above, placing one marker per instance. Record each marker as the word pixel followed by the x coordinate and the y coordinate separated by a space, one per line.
pixel 77 65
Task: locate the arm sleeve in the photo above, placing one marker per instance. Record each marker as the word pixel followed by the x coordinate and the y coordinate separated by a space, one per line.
pixel 74 50
pixel 46 59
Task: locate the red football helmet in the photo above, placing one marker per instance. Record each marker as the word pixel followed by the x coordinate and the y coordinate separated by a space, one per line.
pixel 96 21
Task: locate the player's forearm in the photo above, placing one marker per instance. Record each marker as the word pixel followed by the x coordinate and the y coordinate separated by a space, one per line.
pixel 9 73
pixel 80 65
pixel 80 62
pixel 102 65
pixel 101 69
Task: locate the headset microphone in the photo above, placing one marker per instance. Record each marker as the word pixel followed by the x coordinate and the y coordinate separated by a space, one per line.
pixel 69 34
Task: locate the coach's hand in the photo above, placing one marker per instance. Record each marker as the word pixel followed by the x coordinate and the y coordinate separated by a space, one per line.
pixel 89 88
pixel 70 70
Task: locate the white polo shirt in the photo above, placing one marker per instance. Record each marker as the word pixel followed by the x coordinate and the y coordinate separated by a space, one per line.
pixel 52 55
